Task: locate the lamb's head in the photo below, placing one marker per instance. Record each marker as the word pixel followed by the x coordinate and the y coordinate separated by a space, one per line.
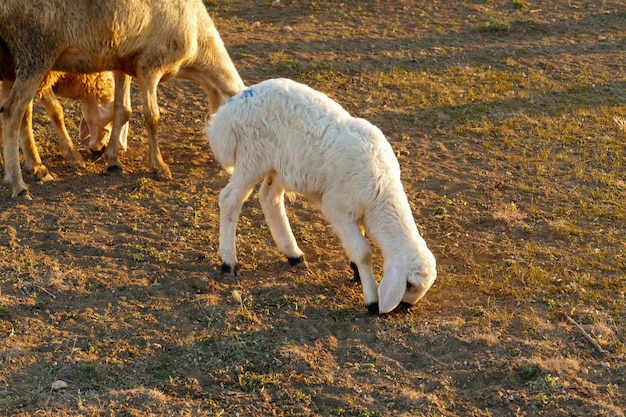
pixel 97 123
pixel 406 281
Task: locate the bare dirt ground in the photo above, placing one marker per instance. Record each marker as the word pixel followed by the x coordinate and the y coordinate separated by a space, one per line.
pixel 505 116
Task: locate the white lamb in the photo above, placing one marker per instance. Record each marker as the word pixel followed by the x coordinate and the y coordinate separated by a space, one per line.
pixel 298 140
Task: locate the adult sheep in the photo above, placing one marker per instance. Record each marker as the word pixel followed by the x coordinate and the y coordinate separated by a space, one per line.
pixel 298 140
pixel 148 39
pixel 95 91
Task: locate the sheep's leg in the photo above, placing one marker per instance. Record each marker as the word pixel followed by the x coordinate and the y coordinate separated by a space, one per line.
pixel 215 100
pixel 221 80
pixel 55 112
pixel 217 97
pixel 5 87
pixel 121 115
pixel 148 83
pixel 11 152
pixel 17 96
pixel 272 199
pixel 360 255
pixel 231 201
pixel 32 161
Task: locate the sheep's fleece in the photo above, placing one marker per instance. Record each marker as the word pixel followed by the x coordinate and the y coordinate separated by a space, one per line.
pixel 301 141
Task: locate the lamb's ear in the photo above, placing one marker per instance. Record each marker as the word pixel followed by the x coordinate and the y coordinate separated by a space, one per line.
pixel 391 290
pixel 83 129
pixel 124 137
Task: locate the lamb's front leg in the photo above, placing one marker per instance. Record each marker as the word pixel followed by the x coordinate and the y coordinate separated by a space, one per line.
pixel 122 112
pixel 356 277
pixel 272 199
pixel 55 112
pixel 231 201
pixel 360 255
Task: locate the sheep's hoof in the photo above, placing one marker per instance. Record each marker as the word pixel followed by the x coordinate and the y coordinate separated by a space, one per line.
pixel 44 176
pixel 163 173
pixel 23 194
pixel 40 172
pixel 357 277
pixel 373 310
pixel 299 262
pixel 114 170
pixel 78 165
pixel 98 153
pixel 230 271
pixel 76 161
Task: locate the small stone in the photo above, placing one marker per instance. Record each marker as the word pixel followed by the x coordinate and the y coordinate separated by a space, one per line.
pixel 287 28
pixel 58 385
pixel 237 296
pixel 276 3
pixel 256 24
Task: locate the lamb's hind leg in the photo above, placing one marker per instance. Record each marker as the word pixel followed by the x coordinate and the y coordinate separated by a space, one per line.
pixel 231 201
pixel 272 199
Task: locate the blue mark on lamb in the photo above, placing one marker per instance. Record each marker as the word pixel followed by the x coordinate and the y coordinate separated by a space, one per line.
pixel 248 92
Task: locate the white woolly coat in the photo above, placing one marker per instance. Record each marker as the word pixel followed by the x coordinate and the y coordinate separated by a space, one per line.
pixel 313 147
pixel 310 142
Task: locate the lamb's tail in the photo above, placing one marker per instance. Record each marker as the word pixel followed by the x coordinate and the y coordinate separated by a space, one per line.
pixel 223 138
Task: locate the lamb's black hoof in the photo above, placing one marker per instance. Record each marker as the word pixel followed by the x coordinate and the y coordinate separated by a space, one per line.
pixel 230 271
pixel 373 310
pixel 299 262
pixel 114 170
pixel 357 276
pixel 98 153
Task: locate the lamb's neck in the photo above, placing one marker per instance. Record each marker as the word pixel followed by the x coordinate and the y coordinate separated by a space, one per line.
pixel 396 233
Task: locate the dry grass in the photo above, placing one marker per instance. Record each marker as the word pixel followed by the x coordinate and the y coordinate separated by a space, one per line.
pixel 509 122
